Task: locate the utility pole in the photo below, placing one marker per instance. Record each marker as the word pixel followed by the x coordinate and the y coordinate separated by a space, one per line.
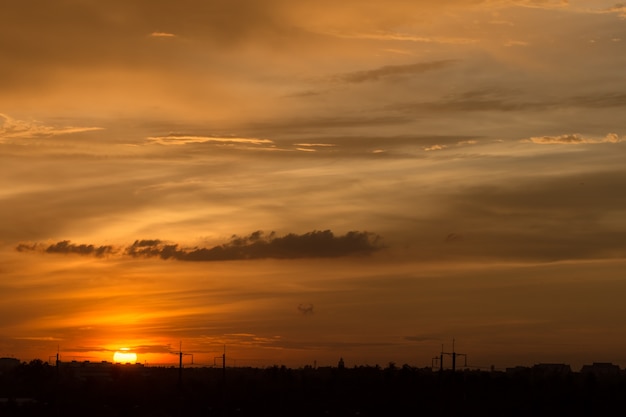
pixel 454 354
pixel 180 354
pixel 434 360
pixel 223 357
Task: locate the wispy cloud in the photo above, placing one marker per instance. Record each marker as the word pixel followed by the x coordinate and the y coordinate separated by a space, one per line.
pixel 313 147
pixel 393 70
pixel 511 43
pixel 141 349
pixel 619 9
pixel 316 145
pixel 191 139
pixel 40 338
pixel 162 35
pixel 435 148
pixel 13 128
pixel 509 101
pixel 543 4
pixel 572 139
pixel 402 37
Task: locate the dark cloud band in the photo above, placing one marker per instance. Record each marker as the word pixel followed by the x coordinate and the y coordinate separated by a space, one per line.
pixel 316 244
pixel 257 245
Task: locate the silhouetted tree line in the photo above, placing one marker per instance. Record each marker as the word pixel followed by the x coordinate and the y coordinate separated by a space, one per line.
pixel 38 389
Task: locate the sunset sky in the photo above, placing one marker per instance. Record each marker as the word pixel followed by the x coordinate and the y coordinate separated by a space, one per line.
pixel 306 180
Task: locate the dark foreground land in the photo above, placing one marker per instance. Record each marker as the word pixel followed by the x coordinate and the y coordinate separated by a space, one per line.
pixel 37 389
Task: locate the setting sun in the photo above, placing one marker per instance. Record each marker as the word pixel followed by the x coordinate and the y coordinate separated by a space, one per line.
pixel 124 356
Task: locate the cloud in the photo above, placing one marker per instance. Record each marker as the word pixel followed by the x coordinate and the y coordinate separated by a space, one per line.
pixel 27 247
pixel 495 99
pixel 143 349
pixel 312 147
pixel 191 139
pixel 162 35
pixel 330 122
pixel 476 100
pixel 66 246
pixel 12 128
pixel 40 338
pixel 510 43
pixel 542 4
pixel 394 70
pixel 599 100
pixel 549 215
pixel 316 145
pixel 572 139
pixel 257 245
pixel 403 37
pixel 316 244
pixel 620 9
pixel 140 349
pixel 467 142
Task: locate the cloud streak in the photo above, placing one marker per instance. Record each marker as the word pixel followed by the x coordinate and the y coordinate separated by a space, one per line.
pixel 495 99
pixel 257 245
pixel 393 71
pixel 572 139
pixel 402 37
pixel 12 128
pixel 162 35
pixel 316 244
pixel 191 139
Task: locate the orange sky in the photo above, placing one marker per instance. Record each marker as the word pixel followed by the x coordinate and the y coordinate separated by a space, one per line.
pixel 420 170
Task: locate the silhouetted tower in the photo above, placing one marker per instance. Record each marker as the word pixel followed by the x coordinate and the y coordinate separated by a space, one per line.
pixel 453 354
pixel 56 362
pixel 341 364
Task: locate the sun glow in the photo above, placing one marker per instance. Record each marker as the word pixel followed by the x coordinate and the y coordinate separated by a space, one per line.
pixel 124 356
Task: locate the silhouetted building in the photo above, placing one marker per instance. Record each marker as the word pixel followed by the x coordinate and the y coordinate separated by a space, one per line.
pixel 341 364
pixel 7 364
pixel 551 369
pixel 98 370
pixel 518 370
pixel 601 369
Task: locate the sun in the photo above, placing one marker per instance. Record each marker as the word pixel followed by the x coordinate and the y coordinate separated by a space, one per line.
pixel 124 355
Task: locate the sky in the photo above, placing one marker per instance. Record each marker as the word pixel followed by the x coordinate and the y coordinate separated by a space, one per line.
pixel 297 182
